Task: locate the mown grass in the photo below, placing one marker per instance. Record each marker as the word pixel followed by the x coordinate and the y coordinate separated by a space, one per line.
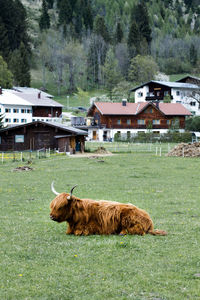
pixel 38 261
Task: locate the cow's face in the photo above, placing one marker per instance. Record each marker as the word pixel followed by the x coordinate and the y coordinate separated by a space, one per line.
pixel 60 210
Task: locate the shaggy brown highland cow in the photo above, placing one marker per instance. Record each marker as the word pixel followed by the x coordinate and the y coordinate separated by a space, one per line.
pixel 86 216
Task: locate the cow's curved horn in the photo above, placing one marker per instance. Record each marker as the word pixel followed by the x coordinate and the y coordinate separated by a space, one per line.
pixel 72 190
pixel 53 190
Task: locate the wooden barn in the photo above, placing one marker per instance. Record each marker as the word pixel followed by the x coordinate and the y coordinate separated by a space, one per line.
pixel 38 135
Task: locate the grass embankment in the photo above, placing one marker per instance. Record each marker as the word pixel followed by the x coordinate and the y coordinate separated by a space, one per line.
pixel 38 261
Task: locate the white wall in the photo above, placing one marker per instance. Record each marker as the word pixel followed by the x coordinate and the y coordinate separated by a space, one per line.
pixel 15 115
pixel 144 90
pixel 185 99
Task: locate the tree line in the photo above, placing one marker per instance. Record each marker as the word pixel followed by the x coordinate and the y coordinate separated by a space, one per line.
pixel 101 44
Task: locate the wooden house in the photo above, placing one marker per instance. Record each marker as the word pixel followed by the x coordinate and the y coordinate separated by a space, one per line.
pixel 37 135
pixel 131 118
pixel 181 91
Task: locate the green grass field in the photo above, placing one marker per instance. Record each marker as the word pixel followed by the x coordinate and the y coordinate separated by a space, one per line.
pixel 39 261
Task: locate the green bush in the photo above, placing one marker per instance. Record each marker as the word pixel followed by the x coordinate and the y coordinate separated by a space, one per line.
pixel 150 137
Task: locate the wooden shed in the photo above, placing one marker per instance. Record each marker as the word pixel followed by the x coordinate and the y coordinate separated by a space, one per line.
pixel 38 135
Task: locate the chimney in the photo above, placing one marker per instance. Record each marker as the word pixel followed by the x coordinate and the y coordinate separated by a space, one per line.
pixel 124 101
pixel 157 103
pixel 39 95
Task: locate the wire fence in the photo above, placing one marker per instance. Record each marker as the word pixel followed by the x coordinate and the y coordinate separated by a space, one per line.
pixel 157 149
pixel 28 155
pixel 117 147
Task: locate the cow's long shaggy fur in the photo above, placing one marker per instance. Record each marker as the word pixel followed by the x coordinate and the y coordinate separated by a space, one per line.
pixel 86 216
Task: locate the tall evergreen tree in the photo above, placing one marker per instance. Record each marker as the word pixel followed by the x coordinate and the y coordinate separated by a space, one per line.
pixel 6 77
pixel 44 21
pixel 134 39
pixel 14 29
pixel 19 65
pixel 65 13
pixel 101 29
pixel 193 55
pixel 119 33
pixel 4 42
pixel 141 17
pixel 88 16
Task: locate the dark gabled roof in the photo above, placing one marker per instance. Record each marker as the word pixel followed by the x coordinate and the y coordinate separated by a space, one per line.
pixel 193 78
pixel 169 84
pixel 110 108
pixel 51 124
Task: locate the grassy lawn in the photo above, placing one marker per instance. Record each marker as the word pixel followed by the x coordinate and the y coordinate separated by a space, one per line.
pixel 38 261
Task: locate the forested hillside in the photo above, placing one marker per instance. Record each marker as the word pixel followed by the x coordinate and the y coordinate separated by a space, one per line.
pixel 99 43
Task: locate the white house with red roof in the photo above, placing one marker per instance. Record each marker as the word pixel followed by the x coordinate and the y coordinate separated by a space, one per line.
pixel 23 105
pixel 185 91
pixel 126 118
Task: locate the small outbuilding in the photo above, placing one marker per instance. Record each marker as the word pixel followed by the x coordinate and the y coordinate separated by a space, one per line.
pixel 38 135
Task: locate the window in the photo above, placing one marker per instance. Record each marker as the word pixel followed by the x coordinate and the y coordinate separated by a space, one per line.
pixel 177 93
pixel 166 93
pixel 156 122
pixel 23 121
pixel 23 111
pixel 19 138
pixel 15 120
pixel 118 122
pixel 141 122
pixel 8 120
pixel 128 135
pixel 15 110
pixel 128 122
pixel 193 103
pixel 140 94
pixel 29 111
pixel 169 122
pixel 7 110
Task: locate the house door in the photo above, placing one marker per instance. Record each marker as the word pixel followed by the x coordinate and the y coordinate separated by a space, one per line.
pixel 105 135
pixel 94 135
pixel 32 142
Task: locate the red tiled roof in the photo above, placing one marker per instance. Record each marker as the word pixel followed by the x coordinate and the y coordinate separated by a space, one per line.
pixel 174 109
pixel 109 108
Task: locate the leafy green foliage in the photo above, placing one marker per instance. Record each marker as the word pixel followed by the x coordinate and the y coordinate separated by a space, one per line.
pixel 6 77
pixel 193 124
pixel 19 64
pixel 111 72
pixel 142 69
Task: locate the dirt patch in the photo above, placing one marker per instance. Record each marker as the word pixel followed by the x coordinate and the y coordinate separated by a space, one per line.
pixel 24 168
pixel 186 150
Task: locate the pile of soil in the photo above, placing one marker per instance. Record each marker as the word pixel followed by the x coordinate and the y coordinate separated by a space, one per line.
pixel 186 150
pixel 24 168
pixel 102 150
